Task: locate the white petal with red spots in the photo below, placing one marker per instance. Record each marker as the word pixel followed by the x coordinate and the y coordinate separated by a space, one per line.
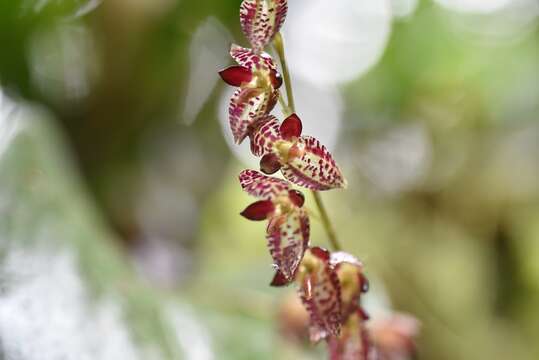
pixel 262 186
pixel 288 238
pixel 247 58
pixel 246 106
pixel 261 20
pixel 321 294
pixel 264 135
pixel 313 167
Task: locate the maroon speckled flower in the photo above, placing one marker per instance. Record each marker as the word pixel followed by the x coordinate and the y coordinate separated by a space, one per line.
pixel 393 336
pixel 302 160
pixel 261 20
pixel 320 292
pixel 288 223
pixel 258 81
pixel 353 341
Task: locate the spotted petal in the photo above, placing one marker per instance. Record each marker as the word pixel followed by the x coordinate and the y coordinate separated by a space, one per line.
pixel 311 165
pixel 262 186
pixel 353 343
pixel 320 292
pixel 249 59
pixel 246 107
pixel 261 20
pixel 288 238
pixel 265 133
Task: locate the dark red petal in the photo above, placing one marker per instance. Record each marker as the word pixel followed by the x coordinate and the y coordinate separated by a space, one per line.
pixel 261 20
pixel 236 75
pixel 259 210
pixel 363 314
pixel 296 197
pixel 291 127
pixel 279 280
pixel 276 79
pixel 262 186
pixel 321 253
pixel 270 164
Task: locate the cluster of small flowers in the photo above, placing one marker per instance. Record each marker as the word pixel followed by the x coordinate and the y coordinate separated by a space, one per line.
pixel 330 284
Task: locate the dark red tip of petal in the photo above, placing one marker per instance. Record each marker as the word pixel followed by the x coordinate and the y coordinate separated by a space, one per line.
pixel 296 197
pixel 259 210
pixel 236 75
pixel 270 164
pixel 320 253
pixel 291 127
pixel 279 280
pixel 365 285
pixel 276 79
pixel 363 314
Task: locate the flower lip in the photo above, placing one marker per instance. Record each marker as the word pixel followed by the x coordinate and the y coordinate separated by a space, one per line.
pixel 276 79
pixel 296 197
pixel 270 164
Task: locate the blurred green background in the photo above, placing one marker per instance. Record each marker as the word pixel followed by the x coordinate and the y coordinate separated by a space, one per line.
pixel 114 168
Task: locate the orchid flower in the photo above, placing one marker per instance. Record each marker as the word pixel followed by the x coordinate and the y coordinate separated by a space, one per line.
pixel 320 292
pixel 353 342
pixel 288 223
pixel 258 81
pixel 393 336
pixel 261 20
pixel 302 160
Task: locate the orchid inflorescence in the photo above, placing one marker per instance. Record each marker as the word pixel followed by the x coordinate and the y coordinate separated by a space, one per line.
pixel 330 283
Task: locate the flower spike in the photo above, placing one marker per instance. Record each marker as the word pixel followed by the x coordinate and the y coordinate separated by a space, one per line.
pixel 261 20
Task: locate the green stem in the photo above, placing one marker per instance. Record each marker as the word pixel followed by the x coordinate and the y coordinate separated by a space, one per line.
pixel 278 44
pixel 328 226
